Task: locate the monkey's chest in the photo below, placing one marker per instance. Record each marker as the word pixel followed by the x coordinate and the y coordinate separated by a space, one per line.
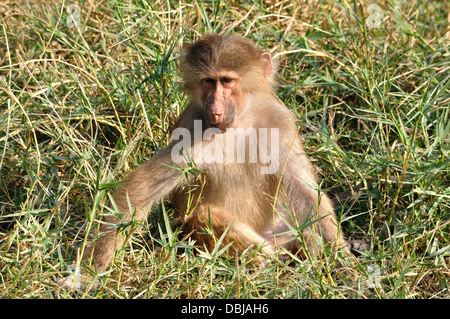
pixel 238 189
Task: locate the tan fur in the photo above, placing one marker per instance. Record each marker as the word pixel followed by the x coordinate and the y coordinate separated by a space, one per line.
pixel 234 197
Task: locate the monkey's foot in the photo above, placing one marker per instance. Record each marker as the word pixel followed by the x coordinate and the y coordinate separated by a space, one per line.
pixel 78 280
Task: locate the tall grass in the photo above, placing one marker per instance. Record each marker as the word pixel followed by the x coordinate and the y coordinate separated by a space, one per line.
pixel 89 89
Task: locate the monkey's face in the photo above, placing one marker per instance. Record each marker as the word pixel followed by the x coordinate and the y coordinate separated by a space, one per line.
pixel 222 98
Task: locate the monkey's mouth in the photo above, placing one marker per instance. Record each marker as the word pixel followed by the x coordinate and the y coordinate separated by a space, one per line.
pixel 221 126
pixel 219 122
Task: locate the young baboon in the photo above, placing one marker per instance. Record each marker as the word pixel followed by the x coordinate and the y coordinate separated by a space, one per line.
pixel 256 182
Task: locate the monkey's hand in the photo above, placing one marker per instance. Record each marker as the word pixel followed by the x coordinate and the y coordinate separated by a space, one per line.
pixel 78 280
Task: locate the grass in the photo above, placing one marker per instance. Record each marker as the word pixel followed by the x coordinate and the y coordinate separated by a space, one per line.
pixel 82 104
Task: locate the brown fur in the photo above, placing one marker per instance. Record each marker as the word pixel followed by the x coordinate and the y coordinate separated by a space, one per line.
pixel 234 197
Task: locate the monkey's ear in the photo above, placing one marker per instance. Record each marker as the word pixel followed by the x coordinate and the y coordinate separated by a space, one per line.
pixel 268 66
pixel 184 50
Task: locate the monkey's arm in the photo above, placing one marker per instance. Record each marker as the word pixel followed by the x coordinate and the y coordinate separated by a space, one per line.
pixel 143 188
pixel 307 202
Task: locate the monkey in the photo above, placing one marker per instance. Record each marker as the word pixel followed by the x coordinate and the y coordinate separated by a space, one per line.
pixel 255 184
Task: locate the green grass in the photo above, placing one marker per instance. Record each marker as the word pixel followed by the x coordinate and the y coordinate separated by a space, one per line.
pixel 82 106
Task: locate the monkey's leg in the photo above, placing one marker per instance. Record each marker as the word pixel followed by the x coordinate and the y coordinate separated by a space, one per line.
pixel 217 221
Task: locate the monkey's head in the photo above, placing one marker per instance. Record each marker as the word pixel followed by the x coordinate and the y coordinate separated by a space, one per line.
pixel 220 72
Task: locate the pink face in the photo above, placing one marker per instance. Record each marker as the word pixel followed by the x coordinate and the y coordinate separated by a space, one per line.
pixel 222 97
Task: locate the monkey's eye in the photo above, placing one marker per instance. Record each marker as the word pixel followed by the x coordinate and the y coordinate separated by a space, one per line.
pixel 208 83
pixel 228 82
